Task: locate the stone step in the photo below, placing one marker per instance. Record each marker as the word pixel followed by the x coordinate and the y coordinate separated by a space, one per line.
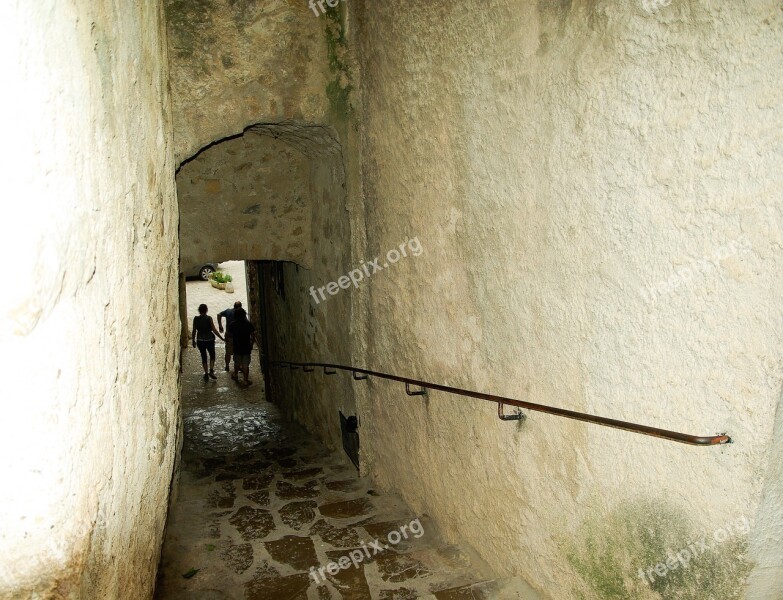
pixel 273 515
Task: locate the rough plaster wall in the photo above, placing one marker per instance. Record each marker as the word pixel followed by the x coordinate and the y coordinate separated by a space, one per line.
pixel 239 62
pixel 90 324
pixel 301 328
pixel 246 198
pixel 306 330
pixel 556 159
pixel 766 580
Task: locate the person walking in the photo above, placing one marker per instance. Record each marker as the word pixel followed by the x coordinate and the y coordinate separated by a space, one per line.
pixel 228 315
pixel 204 337
pixel 243 333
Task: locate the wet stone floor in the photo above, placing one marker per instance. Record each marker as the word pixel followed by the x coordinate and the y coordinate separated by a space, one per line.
pixel 262 506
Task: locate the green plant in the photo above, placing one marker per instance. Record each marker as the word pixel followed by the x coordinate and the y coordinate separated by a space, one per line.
pixel 229 279
pixel 220 277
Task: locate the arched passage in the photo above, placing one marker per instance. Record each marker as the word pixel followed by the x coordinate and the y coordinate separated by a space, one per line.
pixel 274 196
pixel 251 196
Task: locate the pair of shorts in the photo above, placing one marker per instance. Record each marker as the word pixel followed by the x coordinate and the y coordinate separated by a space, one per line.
pixel 204 347
pixel 229 344
pixel 242 360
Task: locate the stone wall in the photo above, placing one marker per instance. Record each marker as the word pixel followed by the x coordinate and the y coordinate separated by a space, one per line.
pixel 597 189
pixel 238 63
pixel 89 342
pixel 306 326
pixel 245 198
pixel 242 69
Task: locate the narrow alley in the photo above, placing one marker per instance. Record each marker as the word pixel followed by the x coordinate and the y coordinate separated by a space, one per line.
pixel 511 276
pixel 261 503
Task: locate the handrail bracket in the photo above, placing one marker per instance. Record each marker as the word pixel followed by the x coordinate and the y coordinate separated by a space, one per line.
pixel 517 416
pixel 410 392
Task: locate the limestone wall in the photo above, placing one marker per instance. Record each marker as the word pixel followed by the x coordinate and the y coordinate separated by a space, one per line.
pixel 237 63
pixel 307 327
pixel 89 337
pixel 246 198
pixel 597 188
pixel 276 70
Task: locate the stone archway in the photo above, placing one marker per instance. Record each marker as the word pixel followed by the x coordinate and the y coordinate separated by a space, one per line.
pixel 251 196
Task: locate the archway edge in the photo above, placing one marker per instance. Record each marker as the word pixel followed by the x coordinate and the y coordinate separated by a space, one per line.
pixel 324 138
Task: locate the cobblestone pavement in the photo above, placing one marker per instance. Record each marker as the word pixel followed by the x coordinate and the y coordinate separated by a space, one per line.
pixel 260 503
pixel 261 507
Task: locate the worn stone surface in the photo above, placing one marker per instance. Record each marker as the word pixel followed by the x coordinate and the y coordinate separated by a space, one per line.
pixel 253 523
pixel 481 591
pixel 298 514
pixel 558 160
pixel 277 551
pixel 267 583
pixel 289 491
pixel 90 429
pixel 246 198
pixel 237 557
pixel 596 190
pixel 259 482
pixel 294 551
pixel 261 497
pixel 347 485
pixel 399 594
pixel 340 537
pixel 351 583
pixel 303 473
pixel 346 509
pixel 234 64
pixel 398 568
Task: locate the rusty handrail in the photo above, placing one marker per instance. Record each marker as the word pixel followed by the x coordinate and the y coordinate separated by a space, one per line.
pixel 674 436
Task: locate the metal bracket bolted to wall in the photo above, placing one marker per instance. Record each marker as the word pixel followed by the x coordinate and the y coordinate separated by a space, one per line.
pixel 359 378
pixel 421 392
pixel 518 416
pixel 328 372
pixel 293 366
pixel 306 370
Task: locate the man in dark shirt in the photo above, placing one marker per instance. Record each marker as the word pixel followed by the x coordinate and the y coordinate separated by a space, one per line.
pixel 229 316
pixel 243 334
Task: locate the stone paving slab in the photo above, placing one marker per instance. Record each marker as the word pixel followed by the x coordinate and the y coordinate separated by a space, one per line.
pixel 262 506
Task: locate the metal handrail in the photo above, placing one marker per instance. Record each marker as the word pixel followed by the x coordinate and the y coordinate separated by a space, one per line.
pixel 674 436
